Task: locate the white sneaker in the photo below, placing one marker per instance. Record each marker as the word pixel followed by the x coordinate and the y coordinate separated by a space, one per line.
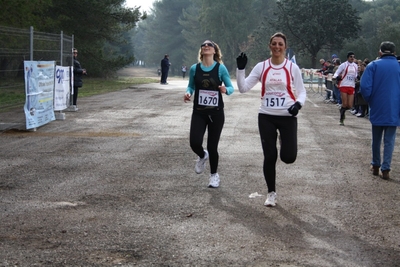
pixel 214 180
pixel 201 163
pixel 72 108
pixel 271 199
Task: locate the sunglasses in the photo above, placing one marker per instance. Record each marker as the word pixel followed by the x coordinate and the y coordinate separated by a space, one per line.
pixel 351 56
pixel 207 44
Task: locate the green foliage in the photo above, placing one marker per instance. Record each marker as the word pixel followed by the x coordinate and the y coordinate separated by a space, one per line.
pixel 163 34
pixel 24 13
pixel 308 24
pixel 99 27
pixel 229 23
pixel 12 92
pixel 190 23
pixel 257 45
pixel 110 36
pixel 359 47
pixel 380 23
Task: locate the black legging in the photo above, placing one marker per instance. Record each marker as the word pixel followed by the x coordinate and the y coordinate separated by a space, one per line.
pixel 75 96
pixel 269 126
pixel 198 125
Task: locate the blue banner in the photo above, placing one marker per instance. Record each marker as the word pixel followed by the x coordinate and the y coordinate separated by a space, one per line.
pixel 39 90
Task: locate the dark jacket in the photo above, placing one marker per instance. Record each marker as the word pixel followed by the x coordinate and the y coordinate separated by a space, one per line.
pixel 78 71
pixel 329 69
pixel 165 64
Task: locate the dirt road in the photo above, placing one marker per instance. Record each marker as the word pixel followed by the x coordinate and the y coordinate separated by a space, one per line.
pixel 114 185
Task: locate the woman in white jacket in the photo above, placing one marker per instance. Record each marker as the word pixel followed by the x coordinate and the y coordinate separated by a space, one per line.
pixel 282 96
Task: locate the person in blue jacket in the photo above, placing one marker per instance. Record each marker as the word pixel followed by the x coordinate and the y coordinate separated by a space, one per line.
pixel 209 80
pixel 380 87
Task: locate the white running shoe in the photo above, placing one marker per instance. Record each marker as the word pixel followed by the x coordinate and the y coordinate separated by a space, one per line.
pixel 214 180
pixel 271 199
pixel 201 163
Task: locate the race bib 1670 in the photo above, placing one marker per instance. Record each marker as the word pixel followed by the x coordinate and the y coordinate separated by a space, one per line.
pixel 208 98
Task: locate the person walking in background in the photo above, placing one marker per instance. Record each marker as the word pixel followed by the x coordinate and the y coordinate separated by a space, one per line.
pixel 380 87
pixel 208 81
pixel 183 71
pixel 347 76
pixel 78 72
pixel 164 69
pixel 282 96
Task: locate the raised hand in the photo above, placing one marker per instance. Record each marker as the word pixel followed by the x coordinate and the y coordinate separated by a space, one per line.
pixel 241 61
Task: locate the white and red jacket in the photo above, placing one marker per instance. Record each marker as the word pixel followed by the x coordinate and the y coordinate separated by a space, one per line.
pixel 349 72
pixel 282 86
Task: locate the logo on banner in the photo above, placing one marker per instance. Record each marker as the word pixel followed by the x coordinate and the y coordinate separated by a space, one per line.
pixel 60 76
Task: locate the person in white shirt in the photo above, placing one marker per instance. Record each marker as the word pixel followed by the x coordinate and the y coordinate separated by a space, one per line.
pixel 183 71
pixel 282 96
pixel 347 76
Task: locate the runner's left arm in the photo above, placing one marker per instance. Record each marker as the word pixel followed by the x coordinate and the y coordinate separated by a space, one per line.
pixel 224 76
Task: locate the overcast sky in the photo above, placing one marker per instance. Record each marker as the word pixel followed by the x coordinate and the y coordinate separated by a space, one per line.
pixel 145 4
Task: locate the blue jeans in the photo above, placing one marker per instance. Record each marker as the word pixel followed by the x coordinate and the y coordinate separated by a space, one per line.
pixel 389 137
pixel 336 93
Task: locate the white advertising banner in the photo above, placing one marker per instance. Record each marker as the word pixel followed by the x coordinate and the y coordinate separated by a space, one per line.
pixel 62 88
pixel 39 86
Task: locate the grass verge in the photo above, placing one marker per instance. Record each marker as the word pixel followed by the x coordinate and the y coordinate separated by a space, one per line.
pixel 14 96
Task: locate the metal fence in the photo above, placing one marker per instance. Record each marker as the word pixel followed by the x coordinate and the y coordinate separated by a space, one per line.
pixel 17 45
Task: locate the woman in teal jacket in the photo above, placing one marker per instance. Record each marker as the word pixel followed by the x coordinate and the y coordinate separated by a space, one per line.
pixel 209 80
pixel 380 87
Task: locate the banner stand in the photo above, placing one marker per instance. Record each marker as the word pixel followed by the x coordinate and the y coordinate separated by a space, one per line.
pixel 59 115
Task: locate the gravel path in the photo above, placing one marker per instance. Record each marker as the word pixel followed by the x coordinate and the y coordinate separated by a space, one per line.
pixel 114 185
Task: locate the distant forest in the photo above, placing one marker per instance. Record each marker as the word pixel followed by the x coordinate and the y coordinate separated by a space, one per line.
pixel 110 36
